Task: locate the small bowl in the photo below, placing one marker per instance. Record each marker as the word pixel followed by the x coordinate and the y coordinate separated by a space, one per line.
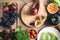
pixel 52 8
pixel 29 31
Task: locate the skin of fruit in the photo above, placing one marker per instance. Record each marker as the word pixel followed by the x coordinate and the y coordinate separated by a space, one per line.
pixel 12 7
pixel 15 7
pixel 6 8
pixel 32 36
pixel 33 32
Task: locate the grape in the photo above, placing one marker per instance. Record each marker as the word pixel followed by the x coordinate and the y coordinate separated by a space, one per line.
pixel 3 24
pixel 8 18
pixel 12 20
pixel 8 24
pixel 11 8
pixel 6 15
pixel 15 15
pixel 4 19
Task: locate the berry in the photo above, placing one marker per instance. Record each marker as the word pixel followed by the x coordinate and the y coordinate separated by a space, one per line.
pixel 12 20
pixel 8 19
pixel 4 19
pixel 6 8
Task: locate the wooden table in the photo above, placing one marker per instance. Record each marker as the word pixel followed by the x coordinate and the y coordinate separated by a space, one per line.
pixel 20 5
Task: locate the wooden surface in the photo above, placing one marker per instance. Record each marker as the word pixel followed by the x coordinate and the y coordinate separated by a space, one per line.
pixel 20 5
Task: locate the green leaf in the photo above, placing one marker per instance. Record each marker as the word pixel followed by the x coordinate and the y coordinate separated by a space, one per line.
pixel 4 4
pixel 19 28
pixel 21 34
pixel 0 38
pixel 53 36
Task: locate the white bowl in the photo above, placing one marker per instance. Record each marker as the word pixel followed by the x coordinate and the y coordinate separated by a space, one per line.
pixel 49 29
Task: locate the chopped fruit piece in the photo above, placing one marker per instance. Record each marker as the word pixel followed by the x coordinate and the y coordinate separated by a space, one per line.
pixel 37 23
pixel 32 33
pixel 40 17
pixel 35 35
pixel 52 8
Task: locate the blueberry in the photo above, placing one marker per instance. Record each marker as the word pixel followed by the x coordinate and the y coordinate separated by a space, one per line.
pixel 8 24
pixel 15 15
pixel 3 24
pixel 5 14
pixel 4 19
pixel 8 18
pixel 12 20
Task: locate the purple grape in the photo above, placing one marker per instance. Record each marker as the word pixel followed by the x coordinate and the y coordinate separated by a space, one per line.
pixel 8 18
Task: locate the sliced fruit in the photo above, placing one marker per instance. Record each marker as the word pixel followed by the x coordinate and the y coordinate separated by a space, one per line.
pixel 40 17
pixel 37 23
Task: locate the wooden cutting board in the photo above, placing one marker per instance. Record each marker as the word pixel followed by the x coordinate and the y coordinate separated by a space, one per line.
pixel 27 18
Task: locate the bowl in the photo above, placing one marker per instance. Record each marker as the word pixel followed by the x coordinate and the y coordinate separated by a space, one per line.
pixel 49 29
pixel 52 8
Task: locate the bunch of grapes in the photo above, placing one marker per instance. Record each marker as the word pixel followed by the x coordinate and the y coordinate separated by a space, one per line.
pixel 5 35
pixel 8 18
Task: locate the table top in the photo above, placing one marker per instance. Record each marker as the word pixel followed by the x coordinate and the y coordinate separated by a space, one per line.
pixel 20 5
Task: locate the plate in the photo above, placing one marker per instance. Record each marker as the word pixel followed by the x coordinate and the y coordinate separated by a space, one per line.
pixel 49 29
